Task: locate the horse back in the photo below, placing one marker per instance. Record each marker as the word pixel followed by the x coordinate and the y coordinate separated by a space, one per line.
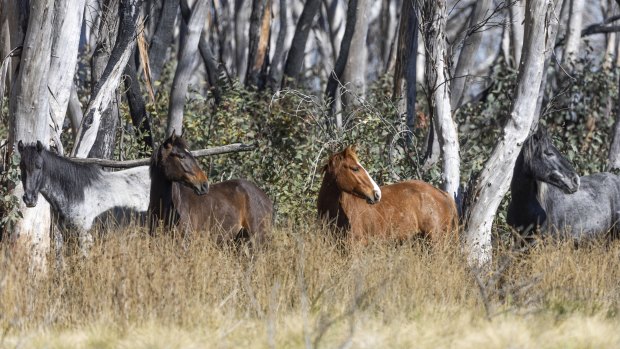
pixel 433 210
pixel 237 207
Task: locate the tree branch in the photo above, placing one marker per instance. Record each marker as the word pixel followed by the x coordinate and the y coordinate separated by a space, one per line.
pixel 224 149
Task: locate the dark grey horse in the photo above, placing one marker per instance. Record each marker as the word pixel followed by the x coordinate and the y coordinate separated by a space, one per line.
pixel 547 193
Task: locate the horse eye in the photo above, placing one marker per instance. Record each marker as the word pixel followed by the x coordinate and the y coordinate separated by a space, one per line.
pixel 355 169
pixel 548 153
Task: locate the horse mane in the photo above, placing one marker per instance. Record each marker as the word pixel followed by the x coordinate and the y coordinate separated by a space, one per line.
pixel 71 177
pixel 336 158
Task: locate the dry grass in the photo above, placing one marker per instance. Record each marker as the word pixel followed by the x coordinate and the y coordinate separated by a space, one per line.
pixel 305 290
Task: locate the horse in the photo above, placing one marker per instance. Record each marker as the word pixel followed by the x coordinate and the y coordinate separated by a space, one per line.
pixel 80 194
pixel 549 195
pixel 181 196
pixel 351 200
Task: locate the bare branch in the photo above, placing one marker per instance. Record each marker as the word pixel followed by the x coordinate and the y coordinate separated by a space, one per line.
pixel 224 149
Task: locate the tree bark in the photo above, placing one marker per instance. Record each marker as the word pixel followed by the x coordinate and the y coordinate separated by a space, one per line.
pixel 434 18
pixel 406 61
pixel 105 88
pixel 343 55
pixel 297 52
pixel 517 18
pixel 211 64
pixel 137 109
pixel 163 37
pixel 66 38
pixel 465 67
pixel 75 110
pixel 573 32
pixel 355 69
pixel 275 70
pixel 497 172
pixel 108 30
pixel 258 50
pixel 183 72
pixel 614 148
pixel 29 115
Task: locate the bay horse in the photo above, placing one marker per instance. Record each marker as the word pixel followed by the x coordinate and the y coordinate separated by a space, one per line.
pixel 180 195
pixel 80 194
pixel 351 200
pixel 549 195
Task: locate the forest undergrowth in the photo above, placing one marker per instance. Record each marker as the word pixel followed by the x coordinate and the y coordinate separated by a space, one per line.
pixel 306 288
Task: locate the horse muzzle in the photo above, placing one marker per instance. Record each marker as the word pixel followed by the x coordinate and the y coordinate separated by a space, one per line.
pixel 201 188
pixel 30 200
pixel 375 198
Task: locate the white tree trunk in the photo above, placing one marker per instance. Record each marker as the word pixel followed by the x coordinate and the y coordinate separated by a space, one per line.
pixel 354 76
pixel 28 114
pixel 573 32
pixel 495 177
pixel 187 55
pixel 67 25
pixel 437 81
pixel 517 18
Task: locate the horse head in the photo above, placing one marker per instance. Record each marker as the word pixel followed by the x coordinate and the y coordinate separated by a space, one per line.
pixel 31 166
pixel 546 164
pixel 351 177
pixel 179 165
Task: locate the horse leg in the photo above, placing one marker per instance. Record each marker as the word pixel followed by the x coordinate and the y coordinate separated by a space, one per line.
pixel 85 242
pixel 58 245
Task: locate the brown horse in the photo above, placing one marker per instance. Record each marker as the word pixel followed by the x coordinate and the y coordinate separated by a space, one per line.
pixel 351 200
pixel 181 196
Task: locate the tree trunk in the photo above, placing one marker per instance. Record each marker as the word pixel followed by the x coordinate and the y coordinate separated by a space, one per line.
pixel 614 149
pixel 258 50
pixel 28 116
pixel 183 72
pixel 105 88
pixel 552 30
pixel 275 71
pixel 137 109
pixel 337 74
pixel 162 38
pixel 573 32
pixel 465 67
pixel 495 177
pixel 434 17
pixel 406 61
pixel 355 69
pixel 297 52
pixel 211 64
pixel 517 17
pixel 66 38
pixel 106 134
pixel 75 110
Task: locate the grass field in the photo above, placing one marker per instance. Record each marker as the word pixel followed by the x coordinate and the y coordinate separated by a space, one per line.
pixel 306 290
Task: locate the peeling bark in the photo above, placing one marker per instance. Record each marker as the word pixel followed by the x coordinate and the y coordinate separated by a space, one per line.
pixel 258 50
pixel 296 54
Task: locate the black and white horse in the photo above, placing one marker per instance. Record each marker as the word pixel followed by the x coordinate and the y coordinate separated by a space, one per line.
pixel 547 193
pixel 80 193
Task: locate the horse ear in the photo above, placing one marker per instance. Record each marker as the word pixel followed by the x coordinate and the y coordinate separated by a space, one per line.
pixel 182 133
pixel 39 146
pixel 20 146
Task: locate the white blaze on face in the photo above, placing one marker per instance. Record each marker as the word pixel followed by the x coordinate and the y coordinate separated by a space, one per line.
pixel 375 187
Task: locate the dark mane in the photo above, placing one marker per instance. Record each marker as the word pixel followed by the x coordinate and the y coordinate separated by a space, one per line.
pixel 70 177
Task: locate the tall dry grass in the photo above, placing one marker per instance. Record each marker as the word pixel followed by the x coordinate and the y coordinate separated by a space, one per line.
pixel 305 289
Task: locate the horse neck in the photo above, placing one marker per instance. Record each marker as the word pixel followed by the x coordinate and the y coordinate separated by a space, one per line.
pixel 331 199
pixel 64 181
pixel 523 185
pixel 160 193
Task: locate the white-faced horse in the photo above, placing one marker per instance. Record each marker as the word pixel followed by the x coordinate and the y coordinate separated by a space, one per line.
pixel 80 193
